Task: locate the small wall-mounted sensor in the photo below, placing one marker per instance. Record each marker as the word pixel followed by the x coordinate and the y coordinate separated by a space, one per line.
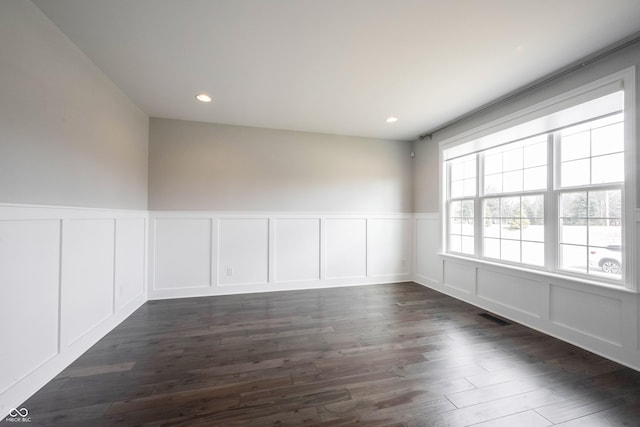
pixel 412 154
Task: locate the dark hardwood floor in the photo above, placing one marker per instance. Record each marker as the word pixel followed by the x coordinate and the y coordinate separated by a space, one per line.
pixel 385 355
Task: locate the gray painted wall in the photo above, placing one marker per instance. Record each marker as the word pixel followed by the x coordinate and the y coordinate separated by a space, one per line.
pixel 68 136
pixel 427 168
pixel 200 166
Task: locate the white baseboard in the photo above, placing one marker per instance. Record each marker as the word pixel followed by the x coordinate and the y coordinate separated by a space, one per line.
pixel 272 287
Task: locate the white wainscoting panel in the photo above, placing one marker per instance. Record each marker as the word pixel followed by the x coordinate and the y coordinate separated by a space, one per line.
pixel 131 244
pixel 243 251
pixel 87 275
pixel 460 276
pixel 182 253
pixel 604 319
pixel 388 246
pixel 427 243
pixel 29 291
pixel 297 249
pixel 267 251
pixel 60 269
pixel 591 314
pixel 512 292
pixel 346 248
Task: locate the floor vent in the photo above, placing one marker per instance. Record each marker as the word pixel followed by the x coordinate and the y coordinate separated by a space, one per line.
pixel 494 319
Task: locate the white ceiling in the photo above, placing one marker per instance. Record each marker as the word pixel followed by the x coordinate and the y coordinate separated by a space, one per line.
pixel 334 66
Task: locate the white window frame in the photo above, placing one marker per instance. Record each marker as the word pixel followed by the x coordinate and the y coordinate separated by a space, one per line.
pixel 473 140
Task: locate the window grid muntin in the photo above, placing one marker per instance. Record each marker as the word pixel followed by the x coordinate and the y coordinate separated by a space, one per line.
pixel 521 169
pixel 588 246
pixel 513 222
pixel 589 128
pixel 457 240
pixel 462 233
pixel 465 180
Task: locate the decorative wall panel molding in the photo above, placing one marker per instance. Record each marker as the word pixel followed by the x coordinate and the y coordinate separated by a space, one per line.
pixel 29 277
pixel 182 252
pixel 389 251
pixel 297 249
pixel 259 252
pixel 588 313
pixel 603 319
pixel 512 292
pixel 427 241
pixel 88 262
pixel 243 251
pixel 69 276
pixel 346 253
pixel 73 274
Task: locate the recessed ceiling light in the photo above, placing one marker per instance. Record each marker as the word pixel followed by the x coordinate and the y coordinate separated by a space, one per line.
pixel 203 97
pixel 392 119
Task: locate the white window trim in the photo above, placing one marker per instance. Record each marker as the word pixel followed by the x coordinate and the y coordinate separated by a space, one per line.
pixel 625 79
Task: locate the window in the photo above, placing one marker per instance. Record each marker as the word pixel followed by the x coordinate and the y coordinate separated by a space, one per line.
pixel 548 192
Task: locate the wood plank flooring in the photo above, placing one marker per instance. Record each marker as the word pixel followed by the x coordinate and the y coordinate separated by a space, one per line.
pixel 384 355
